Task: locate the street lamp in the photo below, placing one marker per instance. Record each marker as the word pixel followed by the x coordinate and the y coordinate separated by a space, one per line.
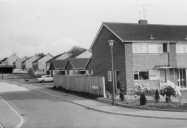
pixel 111 44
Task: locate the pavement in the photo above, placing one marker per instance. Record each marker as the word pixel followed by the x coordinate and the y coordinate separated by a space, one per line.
pixel 8 118
pixel 117 110
pixel 12 118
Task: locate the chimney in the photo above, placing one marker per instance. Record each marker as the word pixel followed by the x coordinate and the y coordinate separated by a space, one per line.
pixel 142 21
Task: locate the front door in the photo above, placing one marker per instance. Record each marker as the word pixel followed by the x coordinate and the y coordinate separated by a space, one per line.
pixel 182 78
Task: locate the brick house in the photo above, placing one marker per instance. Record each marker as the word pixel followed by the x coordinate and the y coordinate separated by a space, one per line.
pixel 56 64
pixel 146 54
pixel 39 65
pixel 79 66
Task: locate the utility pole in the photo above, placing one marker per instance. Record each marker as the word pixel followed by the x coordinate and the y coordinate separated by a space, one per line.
pixel 111 43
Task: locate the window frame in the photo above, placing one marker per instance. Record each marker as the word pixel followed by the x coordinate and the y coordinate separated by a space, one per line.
pixel 147 48
pixel 138 73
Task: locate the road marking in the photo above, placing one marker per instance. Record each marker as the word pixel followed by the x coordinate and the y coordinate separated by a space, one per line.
pixel 19 125
pixel 1 125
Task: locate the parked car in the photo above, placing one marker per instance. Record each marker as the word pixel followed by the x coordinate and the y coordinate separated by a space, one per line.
pixel 45 78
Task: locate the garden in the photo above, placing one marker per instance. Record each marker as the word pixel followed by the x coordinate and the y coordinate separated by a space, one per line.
pixel 168 97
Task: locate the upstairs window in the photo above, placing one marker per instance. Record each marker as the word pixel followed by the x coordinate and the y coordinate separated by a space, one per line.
pixel 181 48
pixel 147 48
pixel 165 48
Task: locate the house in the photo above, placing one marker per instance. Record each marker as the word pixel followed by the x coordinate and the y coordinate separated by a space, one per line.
pixel 23 63
pixel 79 66
pixel 146 54
pixel 57 60
pixel 12 59
pixel 39 65
pixel 28 62
pixel 58 67
pixel 4 61
pixel 18 63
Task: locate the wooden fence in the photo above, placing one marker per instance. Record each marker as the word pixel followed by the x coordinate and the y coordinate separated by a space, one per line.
pixel 87 84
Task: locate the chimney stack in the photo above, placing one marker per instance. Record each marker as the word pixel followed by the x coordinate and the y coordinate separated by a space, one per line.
pixel 142 21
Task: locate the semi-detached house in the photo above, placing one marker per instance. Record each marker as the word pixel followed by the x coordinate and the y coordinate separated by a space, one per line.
pixel 146 54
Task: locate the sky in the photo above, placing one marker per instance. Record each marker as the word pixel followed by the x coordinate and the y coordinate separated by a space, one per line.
pixel 33 26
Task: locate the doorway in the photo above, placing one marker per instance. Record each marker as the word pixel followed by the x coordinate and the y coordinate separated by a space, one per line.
pixel 182 78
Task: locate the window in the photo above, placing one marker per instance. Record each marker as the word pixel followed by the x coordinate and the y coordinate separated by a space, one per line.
pixel 142 75
pixel 165 47
pixel 62 72
pixel 147 48
pixel 181 48
pixel 82 72
pixel 136 76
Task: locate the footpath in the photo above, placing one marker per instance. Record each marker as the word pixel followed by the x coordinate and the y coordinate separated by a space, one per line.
pixel 122 111
pixel 8 118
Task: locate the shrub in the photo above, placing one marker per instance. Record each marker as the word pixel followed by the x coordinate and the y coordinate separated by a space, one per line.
pixel 143 99
pixel 168 91
pixel 157 96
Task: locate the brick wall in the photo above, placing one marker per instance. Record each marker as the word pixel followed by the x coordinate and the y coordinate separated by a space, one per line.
pixel 129 67
pixel 143 62
pixel 101 59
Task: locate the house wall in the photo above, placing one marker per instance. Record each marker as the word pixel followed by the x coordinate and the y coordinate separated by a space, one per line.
pixel 181 60
pixel 101 59
pixel 28 63
pixel 42 63
pixel 11 59
pixel 129 68
pixel 144 62
pixel 18 63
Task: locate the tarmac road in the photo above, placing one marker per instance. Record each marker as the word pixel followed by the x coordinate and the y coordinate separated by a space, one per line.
pixel 43 110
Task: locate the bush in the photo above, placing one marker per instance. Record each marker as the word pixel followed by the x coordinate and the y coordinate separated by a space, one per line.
pixel 168 92
pixel 143 99
pixel 157 96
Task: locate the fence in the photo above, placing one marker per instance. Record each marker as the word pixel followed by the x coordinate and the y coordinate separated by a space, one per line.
pixel 87 84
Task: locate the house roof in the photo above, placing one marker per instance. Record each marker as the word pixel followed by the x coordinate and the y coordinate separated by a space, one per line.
pixel 4 59
pixel 85 54
pixel 52 59
pixel 6 66
pixel 35 61
pixel 75 51
pixel 137 32
pixel 26 59
pixel 58 65
pixel 79 63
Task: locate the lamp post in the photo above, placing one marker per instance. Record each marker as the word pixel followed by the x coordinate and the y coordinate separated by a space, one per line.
pixel 111 44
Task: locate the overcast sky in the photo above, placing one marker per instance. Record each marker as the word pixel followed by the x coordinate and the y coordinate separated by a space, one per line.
pixel 32 26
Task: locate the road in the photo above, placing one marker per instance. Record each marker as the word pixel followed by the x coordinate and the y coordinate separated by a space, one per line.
pixel 41 107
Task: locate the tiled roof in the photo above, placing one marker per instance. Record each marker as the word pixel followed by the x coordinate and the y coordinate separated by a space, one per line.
pixel 67 55
pixel 130 31
pixel 79 63
pixel 58 65
pixel 52 59
pixel 35 61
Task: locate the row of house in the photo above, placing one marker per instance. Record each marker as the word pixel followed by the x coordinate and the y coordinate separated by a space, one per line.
pixel 71 62
pixel 142 53
pixel 74 62
pixel 36 62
